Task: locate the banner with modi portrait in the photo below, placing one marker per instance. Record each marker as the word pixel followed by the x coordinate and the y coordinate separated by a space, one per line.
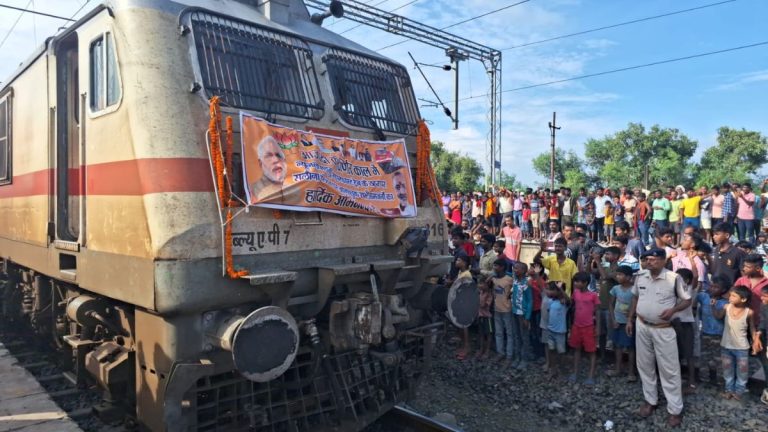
pixel 290 169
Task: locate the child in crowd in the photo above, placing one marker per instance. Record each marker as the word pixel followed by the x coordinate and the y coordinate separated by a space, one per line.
pixel 498 247
pixel 502 317
pixel 760 344
pixel 583 328
pixel 538 287
pixel 745 247
pixel 543 218
pixel 606 271
pixel 608 223
pixel 683 322
pixel 589 216
pixel 557 307
pixel 535 216
pixel 621 295
pixel 461 240
pixel 546 301
pixel 618 211
pixel 711 303
pixel 526 225
pixel 522 306
pixel 762 245
pixel 477 233
pixel 735 345
pixel 484 324
pixel 462 264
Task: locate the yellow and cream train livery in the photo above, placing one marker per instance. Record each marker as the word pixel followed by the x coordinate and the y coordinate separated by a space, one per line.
pixel 111 232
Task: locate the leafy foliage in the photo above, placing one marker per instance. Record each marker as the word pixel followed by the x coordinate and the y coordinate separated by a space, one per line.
pixel 622 158
pixel 454 171
pixel 509 181
pixel 736 157
pixel 569 169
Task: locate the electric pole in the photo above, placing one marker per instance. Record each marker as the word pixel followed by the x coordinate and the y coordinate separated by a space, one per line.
pixel 456 56
pixel 553 127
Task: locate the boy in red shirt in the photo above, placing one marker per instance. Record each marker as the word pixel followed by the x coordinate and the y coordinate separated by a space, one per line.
pixel 583 328
pixel 527 230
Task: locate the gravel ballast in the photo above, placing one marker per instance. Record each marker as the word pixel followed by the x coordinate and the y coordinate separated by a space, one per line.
pixel 485 396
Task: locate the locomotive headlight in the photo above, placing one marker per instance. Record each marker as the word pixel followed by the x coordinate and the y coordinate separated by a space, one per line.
pixel 459 302
pixel 462 303
pixel 263 344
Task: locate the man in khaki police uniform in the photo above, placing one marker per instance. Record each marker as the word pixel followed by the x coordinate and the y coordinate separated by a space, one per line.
pixel 658 295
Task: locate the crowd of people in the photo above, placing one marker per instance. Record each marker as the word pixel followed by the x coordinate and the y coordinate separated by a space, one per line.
pixel 601 210
pixel 671 281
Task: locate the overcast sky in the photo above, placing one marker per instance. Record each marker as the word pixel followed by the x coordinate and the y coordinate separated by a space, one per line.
pixel 696 96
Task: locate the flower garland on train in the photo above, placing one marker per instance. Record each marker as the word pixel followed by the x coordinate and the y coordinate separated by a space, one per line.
pixel 425 176
pixel 222 169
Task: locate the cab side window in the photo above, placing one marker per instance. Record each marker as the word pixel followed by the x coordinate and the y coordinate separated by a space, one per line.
pixel 5 138
pixel 105 88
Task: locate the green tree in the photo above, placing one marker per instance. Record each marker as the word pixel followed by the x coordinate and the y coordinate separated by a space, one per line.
pixel 454 171
pixel 623 158
pixel 569 169
pixel 736 157
pixel 509 181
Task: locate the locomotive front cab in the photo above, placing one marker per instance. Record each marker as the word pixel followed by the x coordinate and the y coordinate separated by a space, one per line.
pixel 365 312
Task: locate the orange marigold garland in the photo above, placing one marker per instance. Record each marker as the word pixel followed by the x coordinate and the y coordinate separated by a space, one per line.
pixel 420 153
pixel 228 261
pixel 228 159
pixel 425 176
pixel 217 159
pixel 215 143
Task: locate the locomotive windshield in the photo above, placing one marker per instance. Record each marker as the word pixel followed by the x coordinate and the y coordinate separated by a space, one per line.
pixel 252 68
pixel 371 93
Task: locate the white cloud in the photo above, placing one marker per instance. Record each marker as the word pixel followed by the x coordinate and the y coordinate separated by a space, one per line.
pixel 467 140
pixel 562 99
pixel 744 80
pixel 598 44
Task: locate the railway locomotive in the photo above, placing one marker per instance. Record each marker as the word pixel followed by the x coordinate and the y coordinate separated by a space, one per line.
pixel 111 235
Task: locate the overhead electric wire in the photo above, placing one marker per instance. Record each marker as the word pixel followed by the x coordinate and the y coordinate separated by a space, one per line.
pixel 462 22
pixel 78 10
pixel 485 14
pixel 635 21
pixel 34 23
pixel 445 108
pixel 624 69
pixel 35 12
pixel 397 8
pixel 5 38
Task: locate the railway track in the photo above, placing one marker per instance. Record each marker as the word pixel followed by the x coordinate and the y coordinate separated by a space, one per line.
pixel 44 364
pixel 404 419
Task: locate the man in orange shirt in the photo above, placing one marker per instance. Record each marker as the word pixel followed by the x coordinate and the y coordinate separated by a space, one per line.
pixel 491 210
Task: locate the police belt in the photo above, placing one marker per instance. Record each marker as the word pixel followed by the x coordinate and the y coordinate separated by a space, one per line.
pixel 654 325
